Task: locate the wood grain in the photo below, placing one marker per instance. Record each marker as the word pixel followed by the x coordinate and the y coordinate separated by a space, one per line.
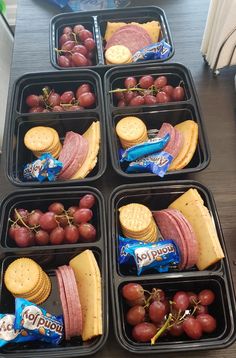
pixel 217 97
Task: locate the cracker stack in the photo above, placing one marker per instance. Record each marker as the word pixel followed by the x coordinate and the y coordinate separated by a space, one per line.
pixel 131 131
pixel 118 55
pixel 137 223
pixel 42 140
pixel 25 278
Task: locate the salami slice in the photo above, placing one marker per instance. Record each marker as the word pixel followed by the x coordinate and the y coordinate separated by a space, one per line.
pixel 64 304
pixel 169 229
pixel 131 36
pixel 190 237
pixel 69 149
pixel 178 142
pixel 168 128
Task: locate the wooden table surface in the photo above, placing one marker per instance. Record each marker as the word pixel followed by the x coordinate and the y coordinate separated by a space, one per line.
pixel 217 97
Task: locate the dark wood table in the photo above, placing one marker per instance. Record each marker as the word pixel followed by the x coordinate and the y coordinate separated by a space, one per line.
pixel 217 97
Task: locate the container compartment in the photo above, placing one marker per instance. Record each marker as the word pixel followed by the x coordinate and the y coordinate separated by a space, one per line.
pixel 156 197
pixel 221 309
pixel 19 155
pixel 75 347
pixel 153 119
pixel 37 199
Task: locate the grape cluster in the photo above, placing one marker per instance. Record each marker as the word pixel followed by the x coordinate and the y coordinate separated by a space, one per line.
pixel 51 101
pixel 77 47
pixel 152 314
pixel 148 91
pixel 56 226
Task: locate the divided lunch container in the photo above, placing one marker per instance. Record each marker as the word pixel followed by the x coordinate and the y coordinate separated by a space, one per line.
pixel 154 115
pixel 20 121
pixel 217 277
pixel 96 23
pixel 50 257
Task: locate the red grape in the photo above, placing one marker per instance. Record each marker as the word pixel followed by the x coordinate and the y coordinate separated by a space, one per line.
pixel 167 306
pixel 157 311
pixel 57 236
pixel 87 201
pixel 150 99
pixel 12 230
pixel 206 297
pixel 128 96
pixel 33 100
pixel 162 97
pixel 23 214
pixel 137 101
pixel 201 309
pixel 90 62
pixel 89 43
pixel 178 93
pixel 132 291
pixel 64 38
pixel 130 82
pixel 143 332
pixel 66 97
pixel 45 110
pixel 79 59
pixel 77 29
pixel 48 221
pixel 58 109
pixel 90 55
pixel 42 238
pixel 146 81
pixel 56 208
pixel 72 210
pixel 121 103
pixel 181 300
pixel 140 301
pixel 168 90
pixel 71 234
pixel 85 34
pixel 36 109
pixel 84 88
pixel 54 99
pixel 160 82
pixel 63 61
pixel 67 30
pixel 87 232
pixel 80 49
pixel 158 294
pixel 34 217
pixel 82 215
pixel 176 330
pixel 192 327
pixel 87 99
pixel 135 315
pixel 68 45
pixel 192 298
pixel 23 237
pixel 32 237
pixel 63 221
pixel 74 108
pixel 119 95
pixel 207 322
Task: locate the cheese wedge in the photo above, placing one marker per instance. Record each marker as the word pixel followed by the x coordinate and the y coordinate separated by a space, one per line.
pixel 191 205
pixel 189 131
pixel 153 28
pixel 93 137
pixel 88 279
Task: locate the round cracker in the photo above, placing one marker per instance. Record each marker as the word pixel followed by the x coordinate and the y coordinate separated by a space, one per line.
pixel 135 217
pixel 130 129
pixel 39 138
pixel 118 54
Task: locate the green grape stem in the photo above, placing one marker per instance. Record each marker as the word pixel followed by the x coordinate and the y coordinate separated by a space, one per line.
pixel 161 330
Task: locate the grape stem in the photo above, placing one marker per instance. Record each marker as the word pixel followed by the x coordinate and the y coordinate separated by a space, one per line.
pixel 161 330
pixel 19 218
pixel 127 90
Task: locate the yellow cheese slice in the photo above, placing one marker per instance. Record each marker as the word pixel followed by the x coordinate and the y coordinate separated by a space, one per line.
pixel 189 131
pixel 153 28
pixel 88 279
pixel 93 137
pixel 191 205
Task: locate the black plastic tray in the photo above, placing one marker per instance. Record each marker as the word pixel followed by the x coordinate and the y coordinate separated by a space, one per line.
pixel 17 155
pixel 154 116
pixel 96 23
pixel 218 277
pixel 50 257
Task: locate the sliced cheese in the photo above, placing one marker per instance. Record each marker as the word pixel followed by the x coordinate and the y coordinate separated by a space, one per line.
pixel 191 205
pixel 189 131
pixel 93 137
pixel 88 279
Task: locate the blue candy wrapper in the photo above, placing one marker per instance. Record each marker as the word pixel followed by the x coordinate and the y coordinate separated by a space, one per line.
pixel 37 322
pixel 10 335
pixel 149 147
pixel 155 163
pixel 157 51
pixel 45 167
pixel 159 256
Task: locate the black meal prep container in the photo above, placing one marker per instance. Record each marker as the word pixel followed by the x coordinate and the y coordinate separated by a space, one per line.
pixel 19 121
pixel 154 115
pixel 218 277
pixel 50 257
pixel 96 23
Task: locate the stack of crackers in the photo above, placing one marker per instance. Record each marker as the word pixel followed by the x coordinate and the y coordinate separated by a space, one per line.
pixel 131 131
pixel 137 223
pixel 42 140
pixel 25 278
pixel 118 55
